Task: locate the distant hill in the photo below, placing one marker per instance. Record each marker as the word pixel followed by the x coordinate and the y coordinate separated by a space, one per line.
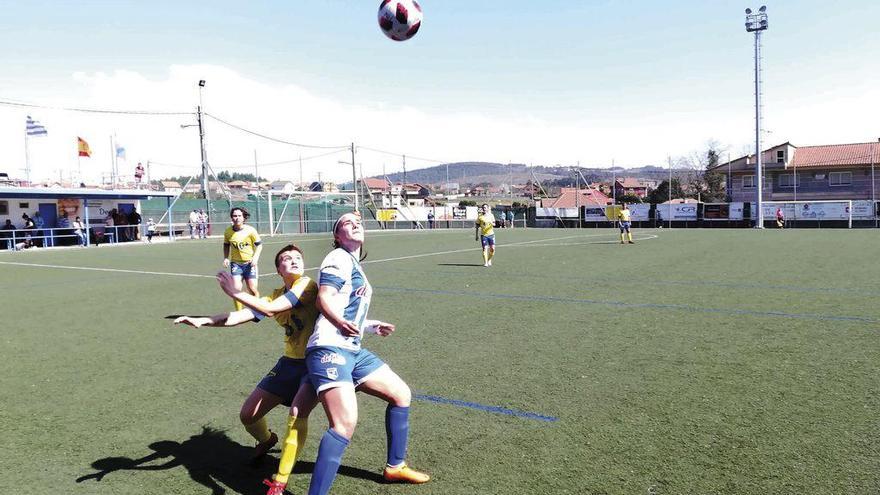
pixel 501 173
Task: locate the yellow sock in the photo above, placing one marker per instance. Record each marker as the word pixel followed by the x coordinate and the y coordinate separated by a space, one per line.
pixel 491 255
pixel 622 237
pixel 485 256
pixel 629 236
pixel 238 306
pixel 259 430
pixel 297 429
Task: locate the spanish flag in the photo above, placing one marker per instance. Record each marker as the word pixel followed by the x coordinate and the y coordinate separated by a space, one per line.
pixel 83 147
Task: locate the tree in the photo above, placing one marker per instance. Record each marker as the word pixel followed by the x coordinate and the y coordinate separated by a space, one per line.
pixel 628 199
pixel 661 194
pixel 701 182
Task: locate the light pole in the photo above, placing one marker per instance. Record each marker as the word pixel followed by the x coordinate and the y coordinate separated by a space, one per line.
pixel 755 23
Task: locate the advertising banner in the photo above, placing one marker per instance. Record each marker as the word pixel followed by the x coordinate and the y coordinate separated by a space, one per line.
pixel 807 211
pixel 863 210
pixel 640 212
pixel 719 211
pixel 736 211
pixel 595 214
pixel 677 211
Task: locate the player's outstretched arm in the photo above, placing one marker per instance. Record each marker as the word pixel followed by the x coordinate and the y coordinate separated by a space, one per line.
pixel 378 327
pixel 268 308
pixel 221 320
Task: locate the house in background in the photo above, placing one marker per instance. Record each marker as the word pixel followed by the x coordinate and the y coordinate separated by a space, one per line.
pixel 282 187
pixel 570 197
pixel 630 186
pixel 807 173
pixel 171 186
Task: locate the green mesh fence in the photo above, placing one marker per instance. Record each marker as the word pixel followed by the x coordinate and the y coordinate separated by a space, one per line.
pixel 290 217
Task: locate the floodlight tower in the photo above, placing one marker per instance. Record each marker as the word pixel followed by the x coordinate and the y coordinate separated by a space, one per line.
pixel 755 23
pixel 206 194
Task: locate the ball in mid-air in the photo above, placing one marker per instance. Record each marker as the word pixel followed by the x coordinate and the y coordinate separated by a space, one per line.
pixel 400 20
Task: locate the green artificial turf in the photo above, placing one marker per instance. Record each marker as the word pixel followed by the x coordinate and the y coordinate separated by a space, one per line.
pixel 693 362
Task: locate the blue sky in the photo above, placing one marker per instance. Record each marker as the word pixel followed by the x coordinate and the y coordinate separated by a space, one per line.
pixel 535 82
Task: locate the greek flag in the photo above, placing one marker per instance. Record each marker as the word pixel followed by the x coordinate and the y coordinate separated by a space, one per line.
pixel 34 128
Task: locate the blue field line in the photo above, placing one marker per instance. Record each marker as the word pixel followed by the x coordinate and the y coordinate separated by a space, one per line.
pixel 678 307
pixel 643 282
pixel 481 407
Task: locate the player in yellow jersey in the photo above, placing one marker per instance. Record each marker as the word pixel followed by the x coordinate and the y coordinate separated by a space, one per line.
pixel 484 231
pixel 241 251
pixel 623 220
pixel 293 307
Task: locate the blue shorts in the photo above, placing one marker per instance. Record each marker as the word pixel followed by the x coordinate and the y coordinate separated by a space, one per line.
pixel 624 226
pixel 285 378
pixel 487 240
pixel 331 367
pixel 245 270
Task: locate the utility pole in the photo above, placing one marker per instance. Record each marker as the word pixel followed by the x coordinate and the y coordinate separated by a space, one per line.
pixel 669 206
pixel 613 183
pixel 354 179
pixel 257 178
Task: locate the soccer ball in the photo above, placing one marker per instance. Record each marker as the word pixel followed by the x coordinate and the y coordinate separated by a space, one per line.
pixel 400 19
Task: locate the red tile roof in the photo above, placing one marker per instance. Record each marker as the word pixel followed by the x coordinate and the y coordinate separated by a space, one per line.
pixel 835 155
pixel 630 182
pixel 568 198
pixel 376 183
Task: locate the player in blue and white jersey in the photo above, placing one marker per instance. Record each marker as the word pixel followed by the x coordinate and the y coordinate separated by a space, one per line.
pixel 338 364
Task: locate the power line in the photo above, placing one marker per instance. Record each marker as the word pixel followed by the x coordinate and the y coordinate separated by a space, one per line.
pixel 272 138
pixel 284 162
pixel 91 110
pixel 250 165
pixel 402 154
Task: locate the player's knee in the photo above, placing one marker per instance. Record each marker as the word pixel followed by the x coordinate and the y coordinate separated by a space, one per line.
pixel 345 425
pixel 247 416
pixel 402 395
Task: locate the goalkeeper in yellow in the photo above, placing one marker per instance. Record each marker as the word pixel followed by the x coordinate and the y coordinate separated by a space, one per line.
pixel 241 251
pixel 484 231
pixel 294 308
pixel 623 221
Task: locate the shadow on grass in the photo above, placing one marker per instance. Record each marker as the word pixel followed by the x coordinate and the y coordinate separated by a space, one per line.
pixel 460 264
pixel 213 460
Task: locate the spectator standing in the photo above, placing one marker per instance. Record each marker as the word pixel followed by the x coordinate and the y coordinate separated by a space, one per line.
pixel 193 224
pixel 80 230
pixel 510 218
pixel 39 224
pixel 203 224
pixel 28 223
pixel 151 229
pixel 7 233
pixel 780 218
pixel 134 219
pixel 430 219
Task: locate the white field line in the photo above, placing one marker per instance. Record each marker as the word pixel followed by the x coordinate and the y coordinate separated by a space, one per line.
pixel 117 270
pixel 534 243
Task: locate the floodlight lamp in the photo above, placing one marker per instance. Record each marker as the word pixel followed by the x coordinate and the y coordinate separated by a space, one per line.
pixel 201 83
pixel 748 11
pixel 763 8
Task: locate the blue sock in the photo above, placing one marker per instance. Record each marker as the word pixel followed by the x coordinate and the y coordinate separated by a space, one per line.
pixel 327 464
pixel 397 432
